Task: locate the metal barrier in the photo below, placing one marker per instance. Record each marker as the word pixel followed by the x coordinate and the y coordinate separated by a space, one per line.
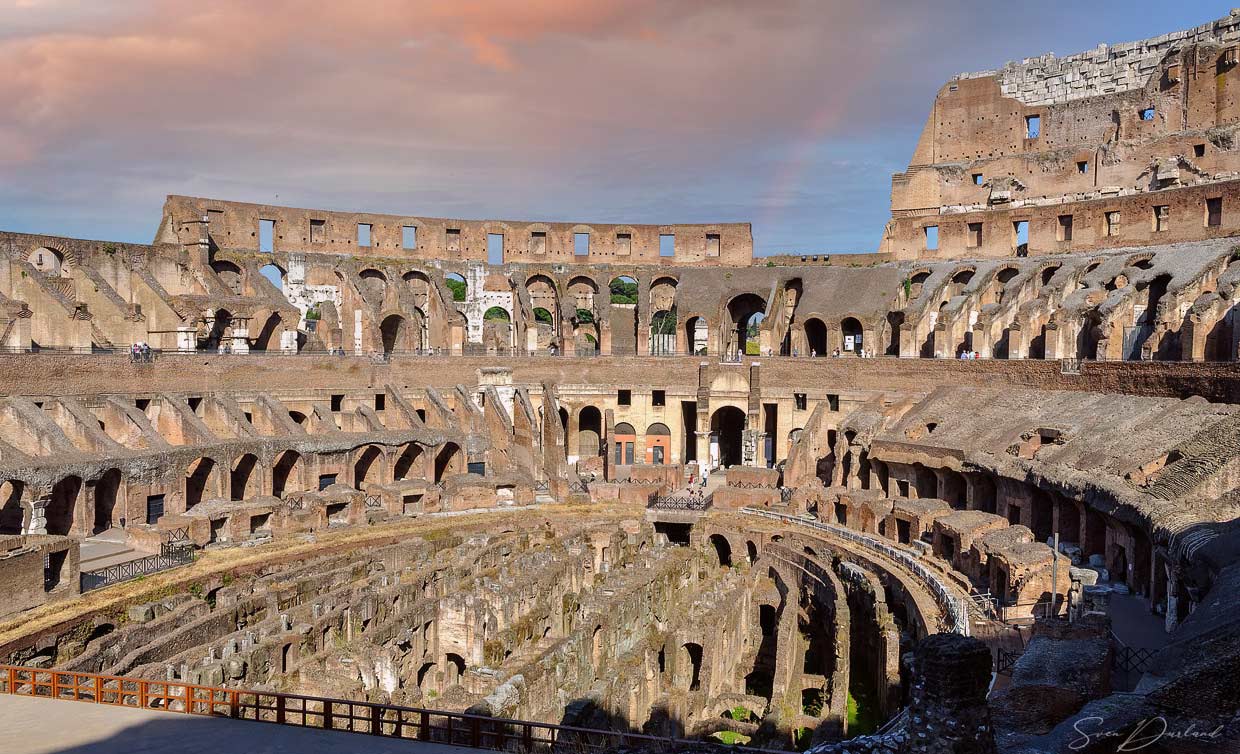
pixel 168 557
pixel 681 502
pixel 387 720
pixel 955 607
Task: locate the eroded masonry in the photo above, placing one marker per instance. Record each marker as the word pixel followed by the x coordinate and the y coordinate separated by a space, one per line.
pixel 975 492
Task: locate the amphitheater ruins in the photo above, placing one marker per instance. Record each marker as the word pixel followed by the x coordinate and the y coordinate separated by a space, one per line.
pixel 976 492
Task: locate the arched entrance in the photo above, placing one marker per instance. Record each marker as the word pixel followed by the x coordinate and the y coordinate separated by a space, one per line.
pixel 589 432
pixel 242 477
pixel 448 461
pixel 658 444
pixel 746 311
pixel 107 490
pixel 395 333
pixel 198 482
pixel 625 441
pixel 815 337
pixel 361 468
pixel 850 330
pixel 727 427
pixel 62 507
pixel 404 463
pixel 284 472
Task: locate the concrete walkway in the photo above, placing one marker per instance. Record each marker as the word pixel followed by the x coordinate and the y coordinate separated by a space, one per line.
pixel 49 726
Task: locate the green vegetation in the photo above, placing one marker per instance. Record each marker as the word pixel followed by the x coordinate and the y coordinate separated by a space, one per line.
pixel 802 737
pixel 542 315
pixel 730 737
pixel 623 291
pixel 862 715
pixel 663 323
pixel 495 314
pixel 313 313
pixel 751 348
pixel 457 287
pixel 585 317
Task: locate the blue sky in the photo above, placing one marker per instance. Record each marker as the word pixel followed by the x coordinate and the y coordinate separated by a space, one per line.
pixel 789 114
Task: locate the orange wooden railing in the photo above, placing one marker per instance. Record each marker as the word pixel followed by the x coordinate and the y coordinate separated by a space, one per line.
pixel 299 710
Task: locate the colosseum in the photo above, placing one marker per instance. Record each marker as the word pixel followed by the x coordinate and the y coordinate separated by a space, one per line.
pixel 636 488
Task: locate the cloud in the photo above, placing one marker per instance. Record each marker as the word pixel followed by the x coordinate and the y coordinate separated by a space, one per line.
pixel 556 109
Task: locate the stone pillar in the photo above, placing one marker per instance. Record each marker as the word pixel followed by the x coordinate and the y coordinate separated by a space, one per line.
pixel 853 482
pixel 947 702
pixel 1172 618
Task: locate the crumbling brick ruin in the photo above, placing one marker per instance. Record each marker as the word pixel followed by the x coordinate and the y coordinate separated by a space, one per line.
pixel 632 478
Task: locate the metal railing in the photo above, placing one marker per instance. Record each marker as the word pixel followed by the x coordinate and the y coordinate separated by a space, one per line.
pixel 303 711
pixel 169 556
pixel 684 501
pixel 955 608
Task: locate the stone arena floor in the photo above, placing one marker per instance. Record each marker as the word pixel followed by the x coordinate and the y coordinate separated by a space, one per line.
pixel 45 726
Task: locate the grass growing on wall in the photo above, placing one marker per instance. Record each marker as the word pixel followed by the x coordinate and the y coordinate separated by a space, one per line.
pixel 862 714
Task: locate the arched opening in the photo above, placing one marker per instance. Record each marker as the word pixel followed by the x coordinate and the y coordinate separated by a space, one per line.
pixel 746 312
pixel 542 316
pixel 457 285
pixel 850 332
pixel 394 331
pixel 298 418
pixel 751 551
pixel 456 669
pixel 658 444
pixel 363 465
pixel 426 670
pixel 107 490
pixel 727 427
pixel 589 432
pixel 496 314
pixel 269 336
pixel 219 330
pixel 274 275
pixel 723 550
pixel 695 336
pixel 447 461
pixel 373 285
pixel 284 471
pixel 815 337
pixel 404 462
pixel 663 333
pixel 242 476
pixel 623 290
pixel 229 274
pixel 198 477
pixel 48 261
pixel 690 667
pixel 12 515
pixel 62 507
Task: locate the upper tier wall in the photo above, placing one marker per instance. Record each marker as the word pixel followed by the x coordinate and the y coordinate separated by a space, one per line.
pixel 235 225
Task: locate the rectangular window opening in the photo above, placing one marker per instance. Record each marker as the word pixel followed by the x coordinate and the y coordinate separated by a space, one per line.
pixel 581 244
pixel 977 179
pixel 624 397
pixel 1021 230
pixel 363 234
pixel 932 237
pixel 800 401
pixel 452 239
pixel 1162 217
pixel 538 242
pixel 337 402
pixel 1082 167
pixel 624 243
pixel 380 401
pixel 1147 114
pixel 658 398
pixel 1112 223
pixel 833 402
pixel 1033 126
pixel 712 245
pixel 667 245
pixel 267 236
pixel 1214 212
pixel 1199 150
pixel 409 237
pixel 1065 228
pixel 318 231
pixel 495 248
pixel 975 235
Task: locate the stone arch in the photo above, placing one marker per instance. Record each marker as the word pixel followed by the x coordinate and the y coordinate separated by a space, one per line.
pixel 457 286
pixel 12 512
pixel 623 289
pixel 723 550
pixel 404 462
pixel 61 511
pixel 270 334
pixel 107 493
pixel 455 669
pixel 727 427
pixel 696 334
pixel 746 312
pixel 200 481
pixel 366 458
pixel 658 443
pixel 286 470
pixel 242 480
pixel 448 461
pixel 689 669
pixel 589 432
pixel 229 274
pixel 815 337
pixel 48 260
pixel 851 326
pixel 394 332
